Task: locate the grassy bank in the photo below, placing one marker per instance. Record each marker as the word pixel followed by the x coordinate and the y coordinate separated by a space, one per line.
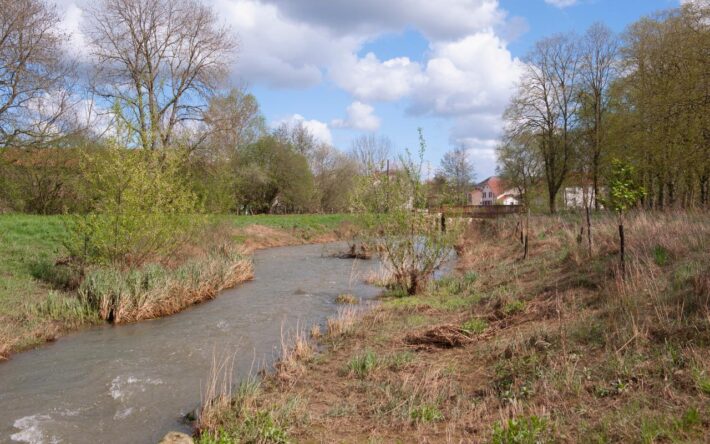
pixel 556 348
pixel 41 297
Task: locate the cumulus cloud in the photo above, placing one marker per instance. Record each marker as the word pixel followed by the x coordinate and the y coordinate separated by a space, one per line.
pixel 370 79
pixel 466 76
pixel 360 116
pixel 443 19
pixel 561 3
pixel 318 129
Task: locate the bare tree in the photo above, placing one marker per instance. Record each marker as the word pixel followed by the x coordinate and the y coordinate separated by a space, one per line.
pixel 371 153
pixel 458 170
pixel 33 92
pixel 547 104
pixel 232 122
pixel 158 62
pixel 599 58
pixel 299 137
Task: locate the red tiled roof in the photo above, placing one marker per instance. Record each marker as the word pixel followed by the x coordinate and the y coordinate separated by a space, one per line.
pixel 496 184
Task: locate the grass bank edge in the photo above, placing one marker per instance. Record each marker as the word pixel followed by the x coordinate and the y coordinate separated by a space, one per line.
pixel 41 297
pixel 565 349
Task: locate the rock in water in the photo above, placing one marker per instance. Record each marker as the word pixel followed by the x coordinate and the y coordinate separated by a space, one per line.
pixel 176 438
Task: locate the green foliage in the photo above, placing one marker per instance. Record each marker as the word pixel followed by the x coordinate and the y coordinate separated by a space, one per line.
pixel 121 295
pixel 400 360
pixel 362 364
pixel 624 192
pixel 660 255
pixel 61 277
pixel 476 326
pixel 426 413
pixel 141 207
pixel 257 427
pixel 514 307
pixel 530 430
pixel 65 308
pixel 702 381
pixel 273 177
pixel 391 211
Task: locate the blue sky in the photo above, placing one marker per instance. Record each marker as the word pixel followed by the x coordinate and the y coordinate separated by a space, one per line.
pixel 347 68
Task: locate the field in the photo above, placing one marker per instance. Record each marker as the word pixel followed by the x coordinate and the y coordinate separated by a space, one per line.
pixel 33 311
pixel 556 348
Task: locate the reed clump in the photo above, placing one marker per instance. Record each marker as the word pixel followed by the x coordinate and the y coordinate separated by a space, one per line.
pixel 155 290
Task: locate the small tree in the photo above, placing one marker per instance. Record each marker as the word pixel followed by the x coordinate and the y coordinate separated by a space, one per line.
pixel 624 193
pixel 392 212
pixel 141 207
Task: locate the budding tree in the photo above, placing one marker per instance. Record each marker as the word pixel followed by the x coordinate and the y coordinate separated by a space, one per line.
pixel 157 63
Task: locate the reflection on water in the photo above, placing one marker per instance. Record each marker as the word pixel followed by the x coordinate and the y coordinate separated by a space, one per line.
pixel 131 384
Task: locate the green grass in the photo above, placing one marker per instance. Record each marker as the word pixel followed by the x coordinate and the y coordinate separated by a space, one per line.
pixel 426 413
pixel 25 241
pixel 315 223
pixel 531 430
pixel 362 364
pixel 475 325
pixel 30 244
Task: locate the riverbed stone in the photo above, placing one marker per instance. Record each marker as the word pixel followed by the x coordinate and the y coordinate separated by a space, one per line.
pixel 176 438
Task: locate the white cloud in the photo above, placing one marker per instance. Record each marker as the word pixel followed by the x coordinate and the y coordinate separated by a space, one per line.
pixel 360 116
pixel 561 3
pixel 442 19
pixel 370 79
pixel 318 129
pixel 466 76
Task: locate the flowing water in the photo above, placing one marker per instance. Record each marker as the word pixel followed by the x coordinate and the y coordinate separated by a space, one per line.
pixel 132 384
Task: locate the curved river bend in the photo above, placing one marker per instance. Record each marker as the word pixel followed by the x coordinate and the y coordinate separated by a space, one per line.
pixel 132 384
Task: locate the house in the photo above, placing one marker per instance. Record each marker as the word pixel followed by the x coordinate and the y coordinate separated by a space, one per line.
pixel 574 197
pixel 493 191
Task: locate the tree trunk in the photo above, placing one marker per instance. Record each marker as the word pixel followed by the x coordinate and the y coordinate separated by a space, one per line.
pixel 622 245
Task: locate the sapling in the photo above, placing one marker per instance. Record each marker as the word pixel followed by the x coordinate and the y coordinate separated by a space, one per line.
pixel 624 193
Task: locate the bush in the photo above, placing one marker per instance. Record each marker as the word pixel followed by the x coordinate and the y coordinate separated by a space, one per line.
pixel 142 207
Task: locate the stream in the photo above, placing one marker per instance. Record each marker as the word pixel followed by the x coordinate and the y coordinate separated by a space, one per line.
pixel 134 383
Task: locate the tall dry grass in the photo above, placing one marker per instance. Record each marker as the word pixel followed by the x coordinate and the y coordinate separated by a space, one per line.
pixel 665 288
pixel 155 290
pixel 296 350
pixel 216 395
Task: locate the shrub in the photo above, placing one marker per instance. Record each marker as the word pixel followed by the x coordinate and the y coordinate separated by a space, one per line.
pixel 531 430
pixel 142 207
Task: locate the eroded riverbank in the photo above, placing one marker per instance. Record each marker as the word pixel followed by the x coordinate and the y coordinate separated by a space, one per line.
pixel 133 383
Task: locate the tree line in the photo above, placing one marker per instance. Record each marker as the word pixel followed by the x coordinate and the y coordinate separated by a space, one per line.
pixel 153 78
pixel 587 102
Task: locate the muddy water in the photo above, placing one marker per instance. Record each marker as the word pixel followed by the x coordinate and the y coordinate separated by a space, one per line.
pixel 131 384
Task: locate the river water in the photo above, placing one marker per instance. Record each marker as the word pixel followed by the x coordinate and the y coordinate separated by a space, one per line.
pixel 133 383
